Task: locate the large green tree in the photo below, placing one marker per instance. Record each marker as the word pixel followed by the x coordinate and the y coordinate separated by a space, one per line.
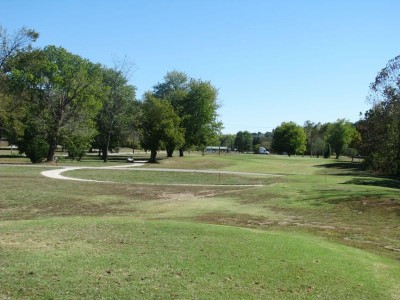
pixel 10 102
pixel 195 102
pixel 243 141
pixel 339 136
pixel 159 125
pixel 290 138
pixel 380 127
pixel 200 117
pixel 115 120
pixel 60 90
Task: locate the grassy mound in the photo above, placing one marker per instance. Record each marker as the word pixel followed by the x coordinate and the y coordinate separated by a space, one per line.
pixel 126 258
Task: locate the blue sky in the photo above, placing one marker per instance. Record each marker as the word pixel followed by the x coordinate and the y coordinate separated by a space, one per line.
pixel 272 61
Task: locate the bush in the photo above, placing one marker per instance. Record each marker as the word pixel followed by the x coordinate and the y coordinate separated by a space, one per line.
pixel 35 148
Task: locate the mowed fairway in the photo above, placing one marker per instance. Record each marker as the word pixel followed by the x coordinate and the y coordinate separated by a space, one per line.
pixel 323 230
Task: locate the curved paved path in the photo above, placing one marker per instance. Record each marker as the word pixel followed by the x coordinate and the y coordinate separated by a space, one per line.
pixel 57 173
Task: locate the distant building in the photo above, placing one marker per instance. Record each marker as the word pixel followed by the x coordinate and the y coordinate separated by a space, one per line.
pixel 211 149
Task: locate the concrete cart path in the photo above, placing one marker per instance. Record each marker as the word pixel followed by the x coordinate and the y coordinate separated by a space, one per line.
pixel 57 173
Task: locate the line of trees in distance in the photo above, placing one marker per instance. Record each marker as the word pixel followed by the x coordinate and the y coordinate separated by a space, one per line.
pixel 314 139
pixel 375 137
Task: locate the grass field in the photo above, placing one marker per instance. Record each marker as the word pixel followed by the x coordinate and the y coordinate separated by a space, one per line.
pixel 325 229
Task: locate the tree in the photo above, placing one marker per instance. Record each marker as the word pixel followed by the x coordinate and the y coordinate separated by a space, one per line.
pixel 61 89
pixel 243 141
pixel 227 140
pixel 10 106
pixel 267 140
pixel 159 125
pixel 310 131
pixel 290 138
pixel 380 138
pixel 78 136
pixel 380 127
pixel 34 141
pixel 10 45
pixel 316 135
pixel 195 102
pixel 199 117
pixel 174 88
pixel 116 117
pixel 340 135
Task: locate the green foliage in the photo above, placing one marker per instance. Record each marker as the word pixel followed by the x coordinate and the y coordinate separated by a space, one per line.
pixel 380 128
pixel 316 136
pixel 261 139
pixel 340 134
pixel 58 89
pixel 244 142
pixel 199 119
pixel 159 125
pixel 227 140
pixel 116 119
pixel 77 138
pixel 195 102
pixel 34 144
pixel 10 45
pixel 11 110
pixel 290 138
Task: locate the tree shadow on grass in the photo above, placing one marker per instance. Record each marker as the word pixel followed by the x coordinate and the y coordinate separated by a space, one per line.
pixel 14 159
pixel 376 181
pixel 362 177
pixel 344 168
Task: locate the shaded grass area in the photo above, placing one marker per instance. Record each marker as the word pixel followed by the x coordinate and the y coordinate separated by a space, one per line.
pixel 14 157
pixel 127 258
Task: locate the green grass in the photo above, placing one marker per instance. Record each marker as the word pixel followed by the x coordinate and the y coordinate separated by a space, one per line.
pixel 129 258
pixel 324 230
pixel 138 176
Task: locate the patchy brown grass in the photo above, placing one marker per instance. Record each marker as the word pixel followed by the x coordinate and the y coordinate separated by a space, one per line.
pixel 338 206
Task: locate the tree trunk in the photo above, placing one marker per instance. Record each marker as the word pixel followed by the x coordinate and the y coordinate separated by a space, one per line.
pixel 153 155
pixel 170 152
pixel 180 152
pixel 52 150
pixel 104 152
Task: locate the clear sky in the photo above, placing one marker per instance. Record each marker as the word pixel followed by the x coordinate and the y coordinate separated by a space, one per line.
pixel 272 61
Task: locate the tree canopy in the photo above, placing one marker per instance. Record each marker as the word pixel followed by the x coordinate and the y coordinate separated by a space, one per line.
pixel 243 141
pixel 61 93
pixel 380 127
pixel 159 125
pixel 195 102
pixel 340 134
pixel 10 104
pixel 116 119
pixel 290 138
